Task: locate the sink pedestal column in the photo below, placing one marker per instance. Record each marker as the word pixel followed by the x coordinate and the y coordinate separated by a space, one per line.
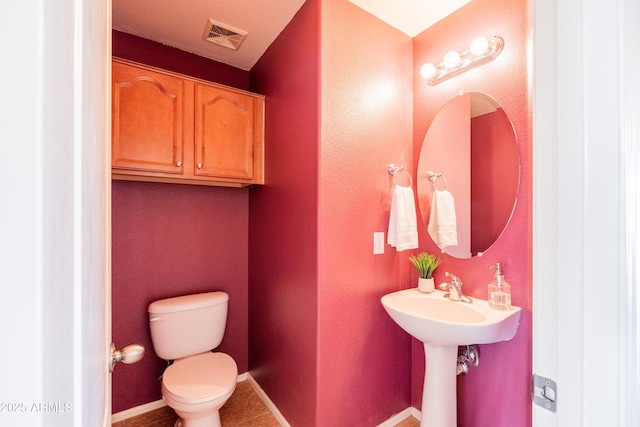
pixel 439 392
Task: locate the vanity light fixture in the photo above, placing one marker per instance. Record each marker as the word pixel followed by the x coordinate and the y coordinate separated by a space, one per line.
pixel 481 51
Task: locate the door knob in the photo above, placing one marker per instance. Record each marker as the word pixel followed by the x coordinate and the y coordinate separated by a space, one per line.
pixel 130 354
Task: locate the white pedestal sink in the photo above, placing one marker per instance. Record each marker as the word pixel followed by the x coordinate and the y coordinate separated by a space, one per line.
pixel 443 325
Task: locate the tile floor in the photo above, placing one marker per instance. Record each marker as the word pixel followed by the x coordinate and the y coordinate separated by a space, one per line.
pixel 409 422
pixel 244 408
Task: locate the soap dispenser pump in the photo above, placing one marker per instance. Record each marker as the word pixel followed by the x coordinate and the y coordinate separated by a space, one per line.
pixel 499 290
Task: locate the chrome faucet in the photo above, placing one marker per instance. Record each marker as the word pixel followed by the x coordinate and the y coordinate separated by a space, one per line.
pixel 455 289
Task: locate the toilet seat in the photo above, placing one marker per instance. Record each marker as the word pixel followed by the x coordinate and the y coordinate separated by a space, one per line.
pixel 200 378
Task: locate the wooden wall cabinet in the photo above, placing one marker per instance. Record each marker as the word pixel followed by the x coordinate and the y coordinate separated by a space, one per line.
pixel 173 128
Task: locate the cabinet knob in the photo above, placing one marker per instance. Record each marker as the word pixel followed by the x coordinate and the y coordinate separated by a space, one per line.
pixel 179 163
pixel 199 165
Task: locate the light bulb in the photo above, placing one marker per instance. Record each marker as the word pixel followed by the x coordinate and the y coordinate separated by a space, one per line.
pixel 428 70
pixel 451 59
pixel 479 45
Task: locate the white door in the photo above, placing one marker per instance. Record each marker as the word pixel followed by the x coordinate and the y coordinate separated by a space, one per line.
pixel 586 132
pixel 54 214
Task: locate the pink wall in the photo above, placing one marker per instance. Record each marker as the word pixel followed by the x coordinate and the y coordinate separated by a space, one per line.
pixel 366 78
pixel 446 150
pixel 497 392
pixel 171 240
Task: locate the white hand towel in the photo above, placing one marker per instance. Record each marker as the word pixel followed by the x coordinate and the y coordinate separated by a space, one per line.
pixel 403 225
pixel 442 220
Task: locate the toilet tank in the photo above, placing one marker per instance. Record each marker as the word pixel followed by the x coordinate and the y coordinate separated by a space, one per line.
pixel 187 325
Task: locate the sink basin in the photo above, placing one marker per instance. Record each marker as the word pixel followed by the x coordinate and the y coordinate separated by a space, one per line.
pixel 432 318
pixel 443 325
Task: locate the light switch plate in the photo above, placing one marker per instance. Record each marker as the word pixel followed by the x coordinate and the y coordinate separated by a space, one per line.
pixel 378 242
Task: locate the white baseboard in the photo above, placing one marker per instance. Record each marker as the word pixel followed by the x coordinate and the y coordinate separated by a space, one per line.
pixel 416 413
pixel 401 416
pixel 137 410
pixel 148 407
pixel 276 413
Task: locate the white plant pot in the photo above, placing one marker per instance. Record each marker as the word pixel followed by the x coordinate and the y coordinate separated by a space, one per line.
pixel 426 285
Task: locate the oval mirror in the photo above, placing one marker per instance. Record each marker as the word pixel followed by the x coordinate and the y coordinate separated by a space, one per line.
pixel 472 144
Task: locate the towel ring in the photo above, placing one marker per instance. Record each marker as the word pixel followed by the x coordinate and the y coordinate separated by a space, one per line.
pixel 435 175
pixel 393 171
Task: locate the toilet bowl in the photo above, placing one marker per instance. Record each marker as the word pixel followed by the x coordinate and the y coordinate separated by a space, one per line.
pixel 184 329
pixel 197 386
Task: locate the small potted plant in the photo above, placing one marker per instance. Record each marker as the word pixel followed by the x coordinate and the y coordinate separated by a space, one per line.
pixel 425 263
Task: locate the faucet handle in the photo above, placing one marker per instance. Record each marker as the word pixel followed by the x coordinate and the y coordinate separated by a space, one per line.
pixel 455 280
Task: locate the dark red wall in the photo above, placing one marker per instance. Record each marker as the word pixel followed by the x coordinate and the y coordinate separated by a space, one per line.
pixel 497 392
pixel 339 85
pixel 283 249
pixel 158 55
pixel 492 177
pixel 171 239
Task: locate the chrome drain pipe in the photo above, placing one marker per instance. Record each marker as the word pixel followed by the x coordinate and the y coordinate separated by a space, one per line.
pixel 468 356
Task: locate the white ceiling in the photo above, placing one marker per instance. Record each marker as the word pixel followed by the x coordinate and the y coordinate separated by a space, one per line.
pixel 182 23
pixel 410 16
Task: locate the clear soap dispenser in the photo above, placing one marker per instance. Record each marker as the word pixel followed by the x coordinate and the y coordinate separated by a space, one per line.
pixel 499 290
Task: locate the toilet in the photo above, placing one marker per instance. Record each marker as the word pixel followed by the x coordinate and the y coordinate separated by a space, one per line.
pixel 185 329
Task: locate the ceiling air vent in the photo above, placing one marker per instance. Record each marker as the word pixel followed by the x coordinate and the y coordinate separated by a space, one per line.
pixel 224 35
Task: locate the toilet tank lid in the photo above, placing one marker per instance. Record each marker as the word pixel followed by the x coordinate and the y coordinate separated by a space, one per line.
pixel 188 302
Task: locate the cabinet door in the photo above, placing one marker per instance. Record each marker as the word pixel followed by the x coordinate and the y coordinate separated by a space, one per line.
pixel 147 121
pixel 228 134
